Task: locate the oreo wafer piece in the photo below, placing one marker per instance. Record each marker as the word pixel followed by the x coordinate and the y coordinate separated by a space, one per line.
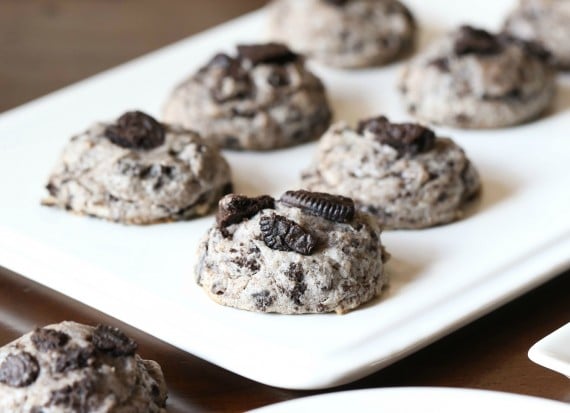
pixel 332 207
pixel 282 234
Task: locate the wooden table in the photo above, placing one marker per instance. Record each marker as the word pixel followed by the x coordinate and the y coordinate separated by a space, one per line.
pixel 46 44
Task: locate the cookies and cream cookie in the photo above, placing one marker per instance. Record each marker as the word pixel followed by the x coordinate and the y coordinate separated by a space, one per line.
pixel 344 33
pixel 401 173
pixel 474 79
pixel 261 98
pixel 70 367
pixel 546 22
pixel 138 171
pixel 303 253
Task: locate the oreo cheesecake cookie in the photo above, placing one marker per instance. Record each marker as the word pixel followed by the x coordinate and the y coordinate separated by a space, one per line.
pixel 403 174
pixel 138 171
pixel 261 98
pixel 70 367
pixel 475 79
pixel 306 252
pixel 344 33
pixel 546 22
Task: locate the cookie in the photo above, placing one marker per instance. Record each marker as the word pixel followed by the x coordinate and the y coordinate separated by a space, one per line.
pixel 344 33
pixel 262 98
pixel 401 173
pixel 70 367
pixel 303 253
pixel 546 22
pixel 138 171
pixel 474 79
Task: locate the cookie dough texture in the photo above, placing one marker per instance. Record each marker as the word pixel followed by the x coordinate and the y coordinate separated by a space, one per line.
pixel 403 191
pixel 345 34
pixel 180 179
pixel 546 22
pixel 480 85
pixel 269 103
pixel 345 270
pixel 70 368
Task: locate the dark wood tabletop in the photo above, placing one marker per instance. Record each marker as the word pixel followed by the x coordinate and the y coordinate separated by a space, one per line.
pixel 47 44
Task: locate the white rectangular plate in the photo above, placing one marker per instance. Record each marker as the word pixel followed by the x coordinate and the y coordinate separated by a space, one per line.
pixel 441 278
pixel 553 351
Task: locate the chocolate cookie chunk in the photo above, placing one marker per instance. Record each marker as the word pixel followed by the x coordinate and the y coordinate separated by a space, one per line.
pixel 269 53
pixel 74 358
pixel 136 130
pixel 45 339
pixel 233 209
pixel 282 234
pixel 113 341
pixel 471 40
pixel 332 207
pixel 19 369
pixel 406 138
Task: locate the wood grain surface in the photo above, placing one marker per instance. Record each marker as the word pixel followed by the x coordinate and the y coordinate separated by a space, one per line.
pixel 45 45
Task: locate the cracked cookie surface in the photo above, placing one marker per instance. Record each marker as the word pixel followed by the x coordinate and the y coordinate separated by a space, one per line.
pixel 70 367
pixel 261 98
pixel 401 173
pixel 291 260
pixel 172 177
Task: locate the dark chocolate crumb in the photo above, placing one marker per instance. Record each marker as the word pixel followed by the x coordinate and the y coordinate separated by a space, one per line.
pixel 268 53
pixel 19 369
pixel 337 2
pixel 46 339
pixel 332 207
pixel 52 189
pixel 74 358
pixel 278 77
pixel 282 234
pixel 233 209
pixel 471 40
pixel 441 63
pixel 136 130
pixel 296 274
pixel 74 396
pixel 263 300
pixel 406 138
pixel 113 341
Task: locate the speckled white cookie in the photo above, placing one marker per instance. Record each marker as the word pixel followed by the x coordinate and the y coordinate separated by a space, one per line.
pixel 344 33
pixel 306 253
pixel 401 173
pixel 70 368
pixel 137 171
pixel 473 79
pixel 546 22
pixel 263 98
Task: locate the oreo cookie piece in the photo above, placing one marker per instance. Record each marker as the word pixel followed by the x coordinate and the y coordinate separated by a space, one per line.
pixel 295 255
pixel 18 369
pixel 136 130
pixel 332 207
pixel 268 53
pixel 232 209
pixel 471 40
pixel 406 138
pixel 70 367
pixel 282 234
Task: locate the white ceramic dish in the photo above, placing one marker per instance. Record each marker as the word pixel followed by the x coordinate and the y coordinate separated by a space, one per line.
pixel 553 351
pixel 442 278
pixel 417 399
